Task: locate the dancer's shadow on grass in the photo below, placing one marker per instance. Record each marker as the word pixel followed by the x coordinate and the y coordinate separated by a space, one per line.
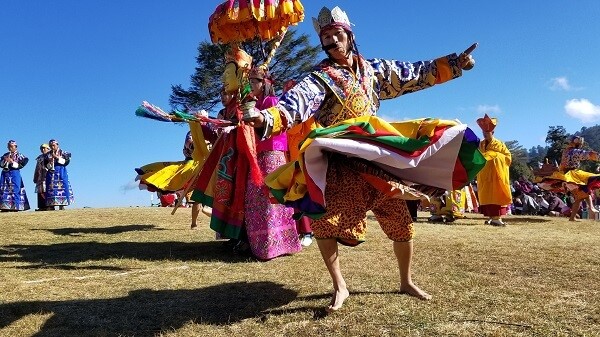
pixel 146 312
pixel 63 255
pixel 119 229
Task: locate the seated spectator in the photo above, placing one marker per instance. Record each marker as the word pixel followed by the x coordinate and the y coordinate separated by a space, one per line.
pixel 517 203
pixel 525 204
pixel 556 206
pixel 530 205
pixel 524 185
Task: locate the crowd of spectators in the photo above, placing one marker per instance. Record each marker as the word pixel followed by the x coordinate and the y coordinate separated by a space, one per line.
pixel 529 199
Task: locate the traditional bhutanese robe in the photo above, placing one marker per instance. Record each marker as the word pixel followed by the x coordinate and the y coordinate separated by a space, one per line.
pixel 12 190
pixel 39 175
pixel 332 111
pixel 270 227
pixel 222 181
pixel 58 187
pixel 493 183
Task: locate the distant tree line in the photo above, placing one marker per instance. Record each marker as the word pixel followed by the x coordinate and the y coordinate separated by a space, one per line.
pixel 292 61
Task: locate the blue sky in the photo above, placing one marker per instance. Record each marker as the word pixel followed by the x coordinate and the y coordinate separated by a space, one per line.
pixel 76 71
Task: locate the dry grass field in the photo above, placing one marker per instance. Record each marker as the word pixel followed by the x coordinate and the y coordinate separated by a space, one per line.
pixel 142 272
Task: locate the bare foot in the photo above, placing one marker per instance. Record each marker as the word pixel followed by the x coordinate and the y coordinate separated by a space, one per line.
pixel 194 226
pixel 574 220
pixel 339 296
pixel 413 290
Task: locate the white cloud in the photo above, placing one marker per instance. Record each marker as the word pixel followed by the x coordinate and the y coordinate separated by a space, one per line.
pixel 583 110
pixel 488 109
pixel 560 83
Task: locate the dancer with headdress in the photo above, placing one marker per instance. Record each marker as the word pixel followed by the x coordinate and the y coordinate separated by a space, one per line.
pixel 351 162
pixel 571 178
pixel 13 196
pixel 179 176
pixel 271 230
pixel 493 181
pixel 232 179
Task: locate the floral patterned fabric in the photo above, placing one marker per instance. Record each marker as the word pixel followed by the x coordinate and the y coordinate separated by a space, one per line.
pixel 270 227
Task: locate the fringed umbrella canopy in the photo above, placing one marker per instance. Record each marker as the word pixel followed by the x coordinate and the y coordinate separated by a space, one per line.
pixel 235 21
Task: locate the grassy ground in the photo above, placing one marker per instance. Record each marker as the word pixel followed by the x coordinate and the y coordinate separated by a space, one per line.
pixel 142 272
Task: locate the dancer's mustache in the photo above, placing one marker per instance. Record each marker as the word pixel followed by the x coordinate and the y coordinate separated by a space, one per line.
pixel 329 46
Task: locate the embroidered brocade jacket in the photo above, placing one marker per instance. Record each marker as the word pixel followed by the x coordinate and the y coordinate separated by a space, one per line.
pixel 331 93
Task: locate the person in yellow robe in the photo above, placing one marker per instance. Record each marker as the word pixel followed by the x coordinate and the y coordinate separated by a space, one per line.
pixel 493 184
pixel 457 203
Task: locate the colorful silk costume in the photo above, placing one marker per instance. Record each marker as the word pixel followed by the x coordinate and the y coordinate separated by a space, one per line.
pixel 333 109
pixel 270 227
pixel 13 196
pixel 222 181
pixel 170 177
pixel 570 176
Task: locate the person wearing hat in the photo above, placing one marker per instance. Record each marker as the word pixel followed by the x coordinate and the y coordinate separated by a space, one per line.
pixel 493 182
pixel 13 196
pixel 344 86
pixel 270 228
pixel 39 178
pixel 579 182
pixel 58 187
pixel 241 208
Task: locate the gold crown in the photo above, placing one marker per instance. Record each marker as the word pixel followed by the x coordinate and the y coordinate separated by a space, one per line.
pixel 327 17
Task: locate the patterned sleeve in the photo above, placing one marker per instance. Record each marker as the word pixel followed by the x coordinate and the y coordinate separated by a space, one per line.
pixel 3 162
pixel 396 78
pixel 67 157
pixel 580 155
pixel 296 105
pixel 22 160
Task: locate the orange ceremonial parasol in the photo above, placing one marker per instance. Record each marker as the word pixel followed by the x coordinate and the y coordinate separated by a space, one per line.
pixel 235 21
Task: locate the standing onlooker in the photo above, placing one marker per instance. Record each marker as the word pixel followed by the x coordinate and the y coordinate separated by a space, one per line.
pixel 12 190
pixel 39 178
pixel 58 187
pixel 493 181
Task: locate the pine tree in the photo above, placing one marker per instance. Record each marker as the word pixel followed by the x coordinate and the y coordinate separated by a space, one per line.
pixel 294 58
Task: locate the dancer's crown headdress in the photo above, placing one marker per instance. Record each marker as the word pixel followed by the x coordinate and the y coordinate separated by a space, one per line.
pixel 328 17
